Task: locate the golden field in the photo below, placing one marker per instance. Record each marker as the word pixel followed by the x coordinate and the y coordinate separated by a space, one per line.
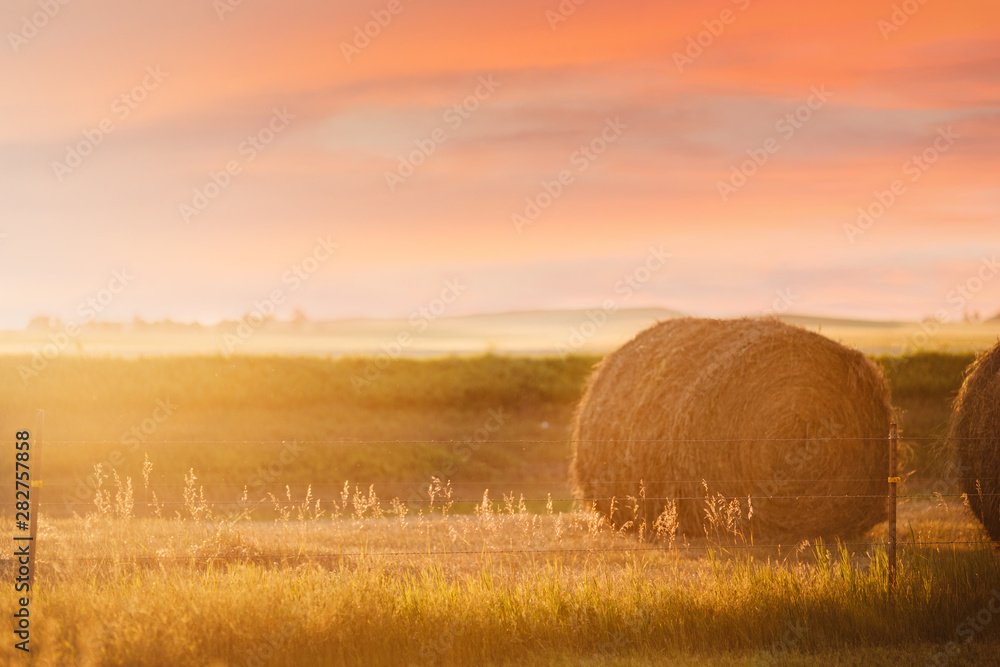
pixel 242 545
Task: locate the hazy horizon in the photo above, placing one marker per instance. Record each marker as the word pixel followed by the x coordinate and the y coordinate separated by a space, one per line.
pixel 297 315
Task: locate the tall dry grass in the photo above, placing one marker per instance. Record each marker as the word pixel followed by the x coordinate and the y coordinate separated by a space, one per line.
pixel 360 579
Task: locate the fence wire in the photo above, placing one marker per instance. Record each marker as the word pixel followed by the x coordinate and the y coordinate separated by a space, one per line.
pixel 278 557
pixel 522 441
pixel 440 499
pixel 624 500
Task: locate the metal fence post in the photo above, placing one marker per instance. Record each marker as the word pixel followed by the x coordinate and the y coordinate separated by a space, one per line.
pixel 893 484
pixel 36 492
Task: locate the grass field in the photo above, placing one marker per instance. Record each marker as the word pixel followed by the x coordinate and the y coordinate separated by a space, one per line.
pixel 158 592
pixel 179 572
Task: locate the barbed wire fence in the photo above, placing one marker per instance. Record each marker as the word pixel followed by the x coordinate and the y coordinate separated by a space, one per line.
pixel 891 479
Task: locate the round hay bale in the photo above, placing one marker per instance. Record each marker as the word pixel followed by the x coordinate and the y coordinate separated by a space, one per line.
pixel 754 407
pixel 975 438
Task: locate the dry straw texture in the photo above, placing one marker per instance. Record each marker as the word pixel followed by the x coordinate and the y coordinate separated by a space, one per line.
pixel 753 407
pixel 975 435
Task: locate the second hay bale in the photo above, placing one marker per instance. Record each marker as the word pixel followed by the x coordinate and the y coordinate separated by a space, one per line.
pixel 753 407
pixel 975 437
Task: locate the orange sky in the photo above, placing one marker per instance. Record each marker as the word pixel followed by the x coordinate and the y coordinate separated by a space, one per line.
pixel 211 82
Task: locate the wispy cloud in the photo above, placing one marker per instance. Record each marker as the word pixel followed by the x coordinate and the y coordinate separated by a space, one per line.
pixel 657 183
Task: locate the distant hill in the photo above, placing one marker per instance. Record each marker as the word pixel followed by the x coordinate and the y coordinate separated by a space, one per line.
pixel 563 331
pixel 811 321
